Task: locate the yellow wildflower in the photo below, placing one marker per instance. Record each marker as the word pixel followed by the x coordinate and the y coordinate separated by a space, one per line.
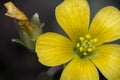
pixel 85 49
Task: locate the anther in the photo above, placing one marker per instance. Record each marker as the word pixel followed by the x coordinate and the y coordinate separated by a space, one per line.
pixel 88 36
pixel 89 49
pixel 81 38
pixel 95 40
pixel 81 49
pixel 78 45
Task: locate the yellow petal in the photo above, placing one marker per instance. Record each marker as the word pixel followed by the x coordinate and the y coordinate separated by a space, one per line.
pixel 79 69
pixel 54 49
pixel 107 59
pixel 73 17
pixel 106 25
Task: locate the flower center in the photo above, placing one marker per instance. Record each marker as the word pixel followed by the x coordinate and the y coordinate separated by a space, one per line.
pixel 85 45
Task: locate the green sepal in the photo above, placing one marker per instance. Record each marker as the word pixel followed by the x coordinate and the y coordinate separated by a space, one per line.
pixel 35 20
pixel 37 27
pixel 28 43
pixel 35 32
pixel 18 41
pixel 28 37
pixel 25 39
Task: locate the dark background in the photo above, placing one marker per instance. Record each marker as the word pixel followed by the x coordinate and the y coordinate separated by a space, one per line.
pixel 16 62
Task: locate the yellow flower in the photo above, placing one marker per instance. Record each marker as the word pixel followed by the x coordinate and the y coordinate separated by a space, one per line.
pixel 87 48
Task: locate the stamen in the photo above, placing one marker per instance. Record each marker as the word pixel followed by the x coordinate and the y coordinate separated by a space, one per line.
pixel 78 45
pixel 85 53
pixel 88 36
pixel 95 40
pixel 81 38
pixel 85 45
pixel 89 49
pixel 81 49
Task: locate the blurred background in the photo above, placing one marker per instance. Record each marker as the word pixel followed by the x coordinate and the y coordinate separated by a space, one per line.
pixel 16 62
